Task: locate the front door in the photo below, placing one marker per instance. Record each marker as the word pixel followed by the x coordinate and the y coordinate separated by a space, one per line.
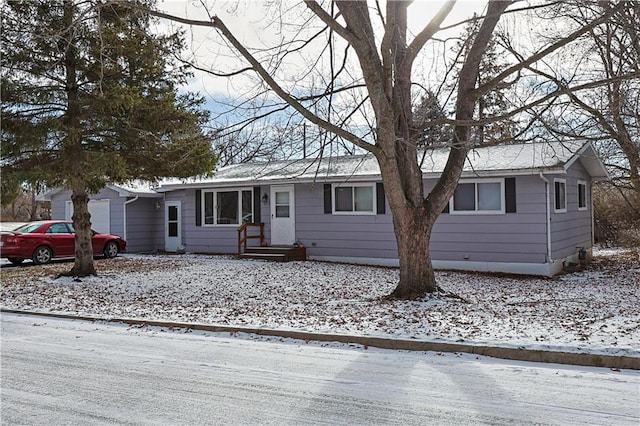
pixel 172 226
pixel 283 224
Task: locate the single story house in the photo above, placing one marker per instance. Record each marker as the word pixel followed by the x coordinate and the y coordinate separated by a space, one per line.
pixel 522 208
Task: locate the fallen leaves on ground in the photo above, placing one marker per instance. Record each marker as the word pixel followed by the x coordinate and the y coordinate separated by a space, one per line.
pixel 597 309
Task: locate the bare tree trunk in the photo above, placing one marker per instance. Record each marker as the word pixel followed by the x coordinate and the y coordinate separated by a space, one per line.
pixel 417 277
pixel 34 206
pixel 83 265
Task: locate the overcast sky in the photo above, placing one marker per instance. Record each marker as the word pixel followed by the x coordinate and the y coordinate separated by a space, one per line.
pixel 254 22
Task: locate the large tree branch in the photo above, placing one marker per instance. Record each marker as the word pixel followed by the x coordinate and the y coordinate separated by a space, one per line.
pixel 497 80
pixel 427 33
pixel 218 24
pixel 465 105
pixel 562 90
pixel 330 21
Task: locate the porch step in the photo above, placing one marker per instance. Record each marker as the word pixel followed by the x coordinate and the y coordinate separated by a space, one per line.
pixel 276 253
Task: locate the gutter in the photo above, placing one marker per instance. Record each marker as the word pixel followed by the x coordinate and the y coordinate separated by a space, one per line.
pixel 259 181
pixel 547 203
pixel 124 211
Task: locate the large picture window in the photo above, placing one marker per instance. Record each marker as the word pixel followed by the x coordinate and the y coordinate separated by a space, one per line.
pixel 560 195
pixel 486 196
pixel 228 207
pixel 354 199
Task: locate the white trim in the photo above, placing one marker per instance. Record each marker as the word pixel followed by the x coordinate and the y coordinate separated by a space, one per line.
pixel 124 216
pixel 352 185
pixel 215 192
pixel 586 195
pixel 593 219
pixel 476 211
pixel 547 203
pixel 178 238
pixel 283 229
pixel 355 178
pixel 564 182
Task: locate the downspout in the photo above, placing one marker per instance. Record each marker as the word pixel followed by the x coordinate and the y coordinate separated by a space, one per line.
pixel 124 211
pixel 547 203
pixel 593 219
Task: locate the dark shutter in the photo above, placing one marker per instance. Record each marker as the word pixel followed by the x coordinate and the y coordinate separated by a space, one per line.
pixel 380 199
pixel 510 195
pixel 327 199
pixel 198 207
pixel 446 208
pixel 256 205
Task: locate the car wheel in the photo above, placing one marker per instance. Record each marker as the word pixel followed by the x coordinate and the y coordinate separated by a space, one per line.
pixel 15 260
pixel 110 250
pixel 42 255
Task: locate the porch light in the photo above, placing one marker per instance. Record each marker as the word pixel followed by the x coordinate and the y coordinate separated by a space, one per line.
pixel 265 199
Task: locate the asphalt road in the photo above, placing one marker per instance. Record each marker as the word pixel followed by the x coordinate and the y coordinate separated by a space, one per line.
pixel 81 373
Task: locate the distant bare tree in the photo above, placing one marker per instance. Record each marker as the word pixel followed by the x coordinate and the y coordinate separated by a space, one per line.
pixel 610 112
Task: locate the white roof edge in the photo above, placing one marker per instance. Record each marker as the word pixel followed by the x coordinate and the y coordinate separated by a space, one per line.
pixel 358 178
pixel 46 196
pixel 133 193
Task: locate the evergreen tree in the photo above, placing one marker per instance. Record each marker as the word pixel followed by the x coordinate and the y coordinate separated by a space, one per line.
pixel 494 102
pixel 90 97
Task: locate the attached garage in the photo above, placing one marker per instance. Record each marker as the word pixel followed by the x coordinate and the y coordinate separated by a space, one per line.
pixel 135 212
pixel 99 210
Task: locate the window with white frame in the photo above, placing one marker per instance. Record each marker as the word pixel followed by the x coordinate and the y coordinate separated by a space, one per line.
pixel 480 196
pixel 227 207
pixel 582 195
pixel 560 195
pixel 354 199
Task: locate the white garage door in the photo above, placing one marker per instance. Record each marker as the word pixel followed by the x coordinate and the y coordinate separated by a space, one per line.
pixel 99 210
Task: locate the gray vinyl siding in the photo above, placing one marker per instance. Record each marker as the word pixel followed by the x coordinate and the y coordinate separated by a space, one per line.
pixel 511 237
pixel 571 229
pixel 519 237
pixel 58 202
pixel 369 235
pixel 143 223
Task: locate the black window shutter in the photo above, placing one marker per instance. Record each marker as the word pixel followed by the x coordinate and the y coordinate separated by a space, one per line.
pixel 446 209
pixel 256 205
pixel 198 207
pixel 510 195
pixel 327 199
pixel 380 199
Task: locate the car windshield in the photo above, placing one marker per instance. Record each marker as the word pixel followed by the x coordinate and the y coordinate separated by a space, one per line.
pixel 27 228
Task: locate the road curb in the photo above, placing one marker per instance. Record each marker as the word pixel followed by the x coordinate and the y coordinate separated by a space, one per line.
pixel 518 354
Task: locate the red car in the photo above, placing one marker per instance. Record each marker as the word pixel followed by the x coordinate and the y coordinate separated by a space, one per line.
pixel 43 241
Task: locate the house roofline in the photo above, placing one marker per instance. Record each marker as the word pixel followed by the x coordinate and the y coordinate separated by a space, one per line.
pixel 122 192
pixel 349 178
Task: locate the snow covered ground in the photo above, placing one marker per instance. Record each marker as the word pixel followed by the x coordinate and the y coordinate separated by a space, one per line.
pixel 57 372
pixel 596 310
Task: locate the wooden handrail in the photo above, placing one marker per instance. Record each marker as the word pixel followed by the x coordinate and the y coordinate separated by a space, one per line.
pixel 242 240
